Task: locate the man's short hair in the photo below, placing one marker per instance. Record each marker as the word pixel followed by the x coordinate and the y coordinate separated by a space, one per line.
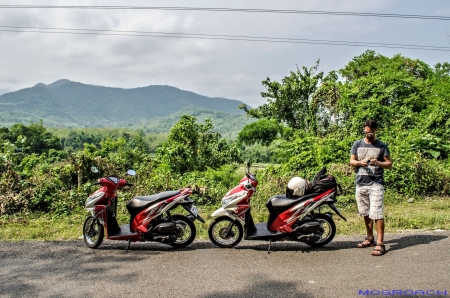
pixel 372 124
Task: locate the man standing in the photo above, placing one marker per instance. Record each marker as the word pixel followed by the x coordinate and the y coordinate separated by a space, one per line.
pixel 370 157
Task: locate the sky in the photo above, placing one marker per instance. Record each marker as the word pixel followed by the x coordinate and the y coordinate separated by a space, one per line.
pixel 214 68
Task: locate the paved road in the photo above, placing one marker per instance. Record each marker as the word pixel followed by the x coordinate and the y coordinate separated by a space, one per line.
pixel 415 261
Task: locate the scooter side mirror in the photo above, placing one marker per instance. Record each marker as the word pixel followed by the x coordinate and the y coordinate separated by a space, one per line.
pixel 131 172
pixel 94 170
pixel 249 164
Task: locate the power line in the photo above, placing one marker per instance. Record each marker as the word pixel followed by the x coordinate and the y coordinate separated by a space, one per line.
pixel 221 9
pixel 214 37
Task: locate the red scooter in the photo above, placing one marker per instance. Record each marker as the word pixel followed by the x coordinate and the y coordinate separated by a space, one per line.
pixel 150 216
pixel 295 218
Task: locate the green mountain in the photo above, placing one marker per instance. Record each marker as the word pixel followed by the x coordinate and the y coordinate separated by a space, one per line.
pixel 71 104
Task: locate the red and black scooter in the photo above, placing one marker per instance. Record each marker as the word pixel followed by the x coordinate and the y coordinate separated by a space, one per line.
pixel 150 216
pixel 290 218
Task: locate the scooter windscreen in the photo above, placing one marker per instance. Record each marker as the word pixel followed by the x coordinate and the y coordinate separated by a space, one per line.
pixel 113 179
pixel 251 176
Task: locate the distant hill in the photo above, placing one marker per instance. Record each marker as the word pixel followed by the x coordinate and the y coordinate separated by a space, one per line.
pixel 71 104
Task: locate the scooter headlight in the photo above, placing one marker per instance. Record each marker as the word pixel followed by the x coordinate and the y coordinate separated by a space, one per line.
pixel 94 198
pixel 227 200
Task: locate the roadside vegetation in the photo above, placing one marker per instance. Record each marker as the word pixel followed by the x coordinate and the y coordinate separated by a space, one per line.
pixel 310 120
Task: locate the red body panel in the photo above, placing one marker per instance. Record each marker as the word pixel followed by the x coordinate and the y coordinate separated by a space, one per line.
pixel 283 223
pixel 144 218
pixel 244 204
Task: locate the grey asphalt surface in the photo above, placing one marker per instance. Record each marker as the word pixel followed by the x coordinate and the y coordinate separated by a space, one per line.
pixel 414 261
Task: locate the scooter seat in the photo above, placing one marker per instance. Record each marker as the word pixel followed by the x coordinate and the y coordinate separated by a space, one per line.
pixel 280 203
pixel 138 203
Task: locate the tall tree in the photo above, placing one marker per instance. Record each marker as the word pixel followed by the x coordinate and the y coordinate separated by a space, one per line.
pixel 38 139
pixel 263 131
pixel 290 102
pixel 391 90
pixel 192 146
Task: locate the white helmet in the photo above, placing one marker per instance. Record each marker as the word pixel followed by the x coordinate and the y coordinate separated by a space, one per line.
pixel 296 187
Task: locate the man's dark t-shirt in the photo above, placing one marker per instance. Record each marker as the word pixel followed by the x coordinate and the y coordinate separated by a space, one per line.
pixel 370 174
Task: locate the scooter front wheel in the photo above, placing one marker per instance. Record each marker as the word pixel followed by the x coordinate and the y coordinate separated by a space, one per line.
pixel 93 232
pixel 225 232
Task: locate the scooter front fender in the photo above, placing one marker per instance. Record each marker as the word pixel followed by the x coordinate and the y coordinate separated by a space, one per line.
pixel 220 212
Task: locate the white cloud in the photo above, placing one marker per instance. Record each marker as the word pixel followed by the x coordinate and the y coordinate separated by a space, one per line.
pixel 232 69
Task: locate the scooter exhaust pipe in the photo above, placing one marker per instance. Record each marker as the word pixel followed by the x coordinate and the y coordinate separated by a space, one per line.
pixel 304 237
pixel 310 237
pixel 166 238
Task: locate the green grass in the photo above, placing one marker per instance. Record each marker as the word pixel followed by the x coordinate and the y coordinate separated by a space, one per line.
pixel 424 214
pixel 43 228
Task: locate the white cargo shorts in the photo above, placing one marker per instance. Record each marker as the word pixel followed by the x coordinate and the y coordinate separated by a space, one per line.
pixel 370 200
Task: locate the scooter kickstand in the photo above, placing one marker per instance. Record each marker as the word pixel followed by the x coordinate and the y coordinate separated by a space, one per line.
pixel 128 246
pixel 270 242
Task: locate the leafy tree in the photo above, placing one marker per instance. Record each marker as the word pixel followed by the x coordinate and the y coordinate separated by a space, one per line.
pixel 76 140
pixel 263 131
pixel 433 146
pixel 9 160
pixel 326 101
pixel 38 139
pixel 392 91
pixel 194 147
pixel 290 102
pixel 4 134
pixel 435 119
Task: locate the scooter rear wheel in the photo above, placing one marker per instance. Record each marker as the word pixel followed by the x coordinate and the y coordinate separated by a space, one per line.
pixel 329 230
pixel 186 231
pixel 220 235
pixel 93 232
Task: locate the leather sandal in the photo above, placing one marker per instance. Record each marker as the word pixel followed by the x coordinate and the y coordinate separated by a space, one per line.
pixel 379 251
pixel 366 243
